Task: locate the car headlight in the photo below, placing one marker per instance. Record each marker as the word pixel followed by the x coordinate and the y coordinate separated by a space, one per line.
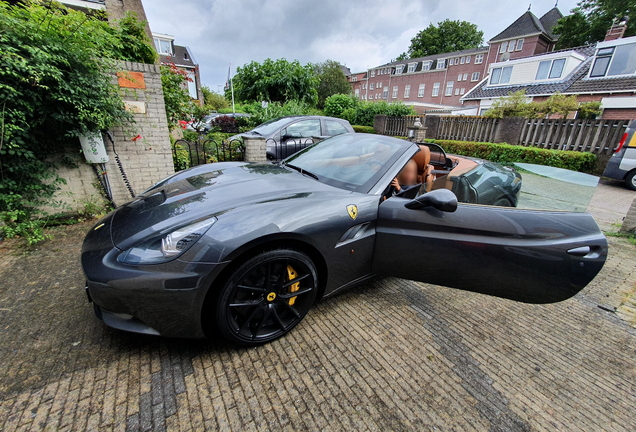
pixel 166 246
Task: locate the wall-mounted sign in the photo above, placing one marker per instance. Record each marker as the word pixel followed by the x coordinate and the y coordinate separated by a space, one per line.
pixel 135 107
pixel 129 79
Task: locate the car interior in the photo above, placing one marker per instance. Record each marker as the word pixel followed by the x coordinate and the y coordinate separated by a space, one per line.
pixel 435 169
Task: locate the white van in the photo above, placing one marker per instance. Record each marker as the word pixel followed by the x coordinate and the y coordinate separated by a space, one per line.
pixel 622 164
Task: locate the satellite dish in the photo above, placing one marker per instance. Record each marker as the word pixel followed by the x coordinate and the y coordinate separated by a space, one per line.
pixel 505 56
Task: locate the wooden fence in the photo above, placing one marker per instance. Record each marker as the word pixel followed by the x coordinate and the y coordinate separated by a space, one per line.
pixel 467 128
pixel 397 126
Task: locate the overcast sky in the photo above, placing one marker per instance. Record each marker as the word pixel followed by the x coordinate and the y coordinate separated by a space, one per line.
pixel 358 33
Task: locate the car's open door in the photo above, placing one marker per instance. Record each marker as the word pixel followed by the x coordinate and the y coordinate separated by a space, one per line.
pixel 534 256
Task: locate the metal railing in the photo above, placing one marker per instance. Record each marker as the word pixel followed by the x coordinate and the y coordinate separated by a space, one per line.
pixel 186 154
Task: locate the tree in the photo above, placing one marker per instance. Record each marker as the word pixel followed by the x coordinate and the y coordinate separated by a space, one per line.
pixel 448 36
pixel 517 105
pixel 212 100
pixel 331 80
pixel 176 98
pixel 275 81
pixel 56 82
pixel 590 20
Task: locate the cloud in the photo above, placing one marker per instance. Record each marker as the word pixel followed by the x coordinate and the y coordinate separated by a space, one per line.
pixel 360 33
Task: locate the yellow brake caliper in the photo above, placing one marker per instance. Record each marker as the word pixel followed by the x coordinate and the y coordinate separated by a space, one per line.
pixel 294 287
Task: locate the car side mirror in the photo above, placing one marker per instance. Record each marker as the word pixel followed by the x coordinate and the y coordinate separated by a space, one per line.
pixel 440 199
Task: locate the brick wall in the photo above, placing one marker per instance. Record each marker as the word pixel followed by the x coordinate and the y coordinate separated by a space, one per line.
pixel 145 160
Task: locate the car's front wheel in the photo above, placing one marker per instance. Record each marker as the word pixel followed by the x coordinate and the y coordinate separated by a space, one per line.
pixel 266 297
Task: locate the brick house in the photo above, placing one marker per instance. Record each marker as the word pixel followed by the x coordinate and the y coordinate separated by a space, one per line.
pixel 603 72
pixel 438 82
pixel 181 57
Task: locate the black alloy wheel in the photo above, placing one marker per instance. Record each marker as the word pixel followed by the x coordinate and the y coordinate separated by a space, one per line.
pixel 266 297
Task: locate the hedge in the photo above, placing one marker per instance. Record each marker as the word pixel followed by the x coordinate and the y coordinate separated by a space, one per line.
pixel 363 129
pixel 506 153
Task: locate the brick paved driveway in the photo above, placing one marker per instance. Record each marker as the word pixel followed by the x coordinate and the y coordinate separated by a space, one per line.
pixel 389 355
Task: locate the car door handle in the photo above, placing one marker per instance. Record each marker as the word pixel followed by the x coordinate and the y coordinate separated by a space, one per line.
pixel 580 251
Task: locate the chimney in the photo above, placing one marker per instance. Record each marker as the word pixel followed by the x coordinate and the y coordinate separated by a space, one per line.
pixel 617 30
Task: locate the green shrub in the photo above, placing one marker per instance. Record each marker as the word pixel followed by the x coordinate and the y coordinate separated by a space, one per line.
pixel 336 104
pixel 362 113
pixel 363 129
pixel 506 153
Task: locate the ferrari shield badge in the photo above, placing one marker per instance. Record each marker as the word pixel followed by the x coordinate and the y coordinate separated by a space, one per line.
pixel 352 209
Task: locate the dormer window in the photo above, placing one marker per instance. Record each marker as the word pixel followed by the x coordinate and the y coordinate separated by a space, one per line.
pixel 399 69
pixel 163 46
pixel 441 64
pixel 613 61
pixel 412 67
pixel 501 75
pixel 550 69
pixel 426 65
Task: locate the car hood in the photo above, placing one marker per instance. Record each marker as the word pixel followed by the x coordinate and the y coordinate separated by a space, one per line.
pixel 205 191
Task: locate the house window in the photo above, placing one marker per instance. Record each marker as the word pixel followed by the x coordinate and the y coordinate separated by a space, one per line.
pixel 399 69
pixel 395 92
pixel 503 47
pixel 462 60
pixel 459 77
pixel 467 59
pixel 354 79
pixel 462 91
pixel 426 65
pixel 435 89
pixel 519 45
pixel 385 92
pixel 474 76
pixel 372 86
pixel 449 88
pixel 163 46
pixel 457 91
pixel 357 93
pixel 511 46
pixel 501 75
pixel 407 91
pixel 379 85
pixel 614 61
pixel 479 59
pixel 465 77
pixel 420 90
pixel 372 73
pixel 441 63
pixel 550 69
pixel 412 67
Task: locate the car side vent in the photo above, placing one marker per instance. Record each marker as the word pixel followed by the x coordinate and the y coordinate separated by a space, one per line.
pixel 353 233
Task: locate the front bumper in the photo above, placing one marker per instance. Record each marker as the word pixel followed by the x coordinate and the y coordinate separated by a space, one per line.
pixel 164 299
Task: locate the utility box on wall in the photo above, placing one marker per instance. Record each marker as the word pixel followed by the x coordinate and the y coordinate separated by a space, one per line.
pixel 93 148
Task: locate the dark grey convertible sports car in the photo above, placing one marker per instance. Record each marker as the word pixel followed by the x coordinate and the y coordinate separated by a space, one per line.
pixel 245 249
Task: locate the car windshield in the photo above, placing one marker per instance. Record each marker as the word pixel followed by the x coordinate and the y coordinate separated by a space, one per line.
pixel 350 161
pixel 271 126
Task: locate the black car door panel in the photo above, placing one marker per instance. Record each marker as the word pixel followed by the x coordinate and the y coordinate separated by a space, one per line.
pixel 525 255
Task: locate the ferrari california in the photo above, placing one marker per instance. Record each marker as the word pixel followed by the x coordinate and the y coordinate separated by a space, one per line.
pixel 245 249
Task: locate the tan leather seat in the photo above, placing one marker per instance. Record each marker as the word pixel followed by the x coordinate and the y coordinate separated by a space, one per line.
pixel 424 167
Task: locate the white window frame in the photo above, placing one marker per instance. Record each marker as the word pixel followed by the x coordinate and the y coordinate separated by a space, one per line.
pixel 479 59
pixel 456 91
pixel 465 77
pixel 441 64
pixel 372 73
pixel 372 86
pixel 475 76
pixel 462 91
pixel 378 85
pixel 407 91
pixel 412 67
pixel 503 47
pixel 449 88
pixel 385 92
pixel 462 60
pixel 436 87
pixel 399 69
pixel 395 92
pixel 459 77
pixel 511 46
pixel 468 59
pixel 420 90
pixel 427 65
pixel 519 46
